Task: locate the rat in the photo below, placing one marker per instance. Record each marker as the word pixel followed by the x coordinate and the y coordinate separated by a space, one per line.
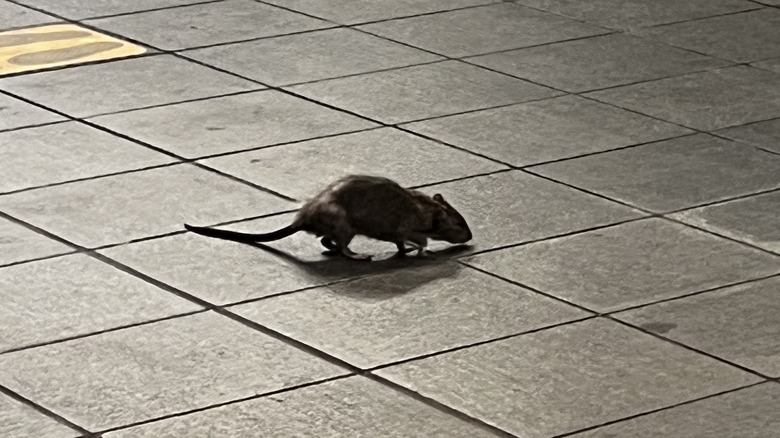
pixel 371 206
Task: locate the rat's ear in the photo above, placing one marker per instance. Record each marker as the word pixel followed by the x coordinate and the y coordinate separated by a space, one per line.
pixel 438 198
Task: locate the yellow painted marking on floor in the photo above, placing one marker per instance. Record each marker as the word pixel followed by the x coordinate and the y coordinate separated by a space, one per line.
pixel 56 45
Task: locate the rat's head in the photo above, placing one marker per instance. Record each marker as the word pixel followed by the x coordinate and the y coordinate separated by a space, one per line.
pixel 448 224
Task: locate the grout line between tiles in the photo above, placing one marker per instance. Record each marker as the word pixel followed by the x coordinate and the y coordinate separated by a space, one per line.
pixel 722 236
pixel 725 14
pixel 38 125
pixel 42 410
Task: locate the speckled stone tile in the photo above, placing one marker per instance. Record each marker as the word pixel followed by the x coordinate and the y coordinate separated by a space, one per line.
pixel 626 14
pixel 740 324
pixel 157 369
pixel 629 264
pixel 769 64
pixel 75 295
pixel 311 56
pixel 19 420
pixel 765 135
pixel 598 62
pixel 120 208
pixel 745 37
pixel 755 220
pixel 67 151
pixel 361 11
pixel 209 23
pixel 419 92
pixel 123 85
pixel 672 174
pixel 15 113
pixel 546 130
pixel 349 407
pixel 301 170
pixel 706 101
pixel 13 16
pixel 408 313
pixel 746 413
pixel 78 9
pixel 18 244
pixel 224 124
pixel 567 378
pixel 462 33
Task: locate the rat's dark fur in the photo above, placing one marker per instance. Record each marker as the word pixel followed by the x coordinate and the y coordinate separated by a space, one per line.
pixel 371 206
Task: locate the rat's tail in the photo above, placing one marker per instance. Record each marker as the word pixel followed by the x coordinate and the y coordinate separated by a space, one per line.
pixel 244 237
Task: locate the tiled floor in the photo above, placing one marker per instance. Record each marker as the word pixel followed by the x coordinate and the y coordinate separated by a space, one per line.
pixel 618 162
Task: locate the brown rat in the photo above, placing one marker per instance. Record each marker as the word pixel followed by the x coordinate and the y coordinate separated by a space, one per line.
pixel 371 206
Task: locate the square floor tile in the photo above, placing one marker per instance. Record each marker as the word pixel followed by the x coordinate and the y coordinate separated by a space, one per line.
pixel 224 124
pixel 414 93
pixel 567 378
pixel 301 170
pixel 546 130
pixel 598 62
pixel 740 324
pixel 19 420
pixel 672 174
pixel 75 295
pixel 514 207
pixel 79 9
pixel 122 85
pixel 746 413
pixel 15 113
pixel 765 135
pixel 755 220
pixel 624 14
pixel 66 151
pixel 311 56
pixel 360 11
pixel 157 369
pixel 463 33
pixel 628 265
pixel 349 407
pixel 120 208
pixel 18 244
pixel 408 313
pixel 745 37
pixel 710 100
pixel 13 16
pixel 209 23
pixel 769 64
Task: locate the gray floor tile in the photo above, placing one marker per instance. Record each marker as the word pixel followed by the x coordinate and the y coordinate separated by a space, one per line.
pixel 462 33
pixel 122 85
pixel 598 62
pixel 311 56
pixel 414 93
pixel 224 124
pixel 740 324
pixel 755 220
pixel 567 378
pixel 515 207
pixel 134 205
pixel 205 24
pixel 625 14
pixel 745 37
pixel 628 265
pixel 67 151
pixel 746 413
pixel 765 135
pixel 769 64
pixel 546 130
pixel 15 113
pixel 360 11
pixel 18 244
pixel 408 313
pixel 301 170
pixel 709 100
pixel 348 407
pixel 672 174
pixel 75 295
pixel 157 369
pixel 78 9
pixel 13 16
pixel 19 420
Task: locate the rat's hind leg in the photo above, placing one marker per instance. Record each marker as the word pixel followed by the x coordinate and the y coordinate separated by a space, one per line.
pixel 420 242
pixel 342 243
pixel 331 247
